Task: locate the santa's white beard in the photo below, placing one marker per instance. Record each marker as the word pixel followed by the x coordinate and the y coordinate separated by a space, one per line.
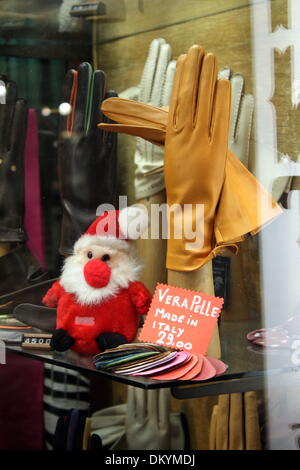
pixel 73 281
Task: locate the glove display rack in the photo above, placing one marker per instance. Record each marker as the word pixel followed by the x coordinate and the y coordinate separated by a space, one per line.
pixel 162 102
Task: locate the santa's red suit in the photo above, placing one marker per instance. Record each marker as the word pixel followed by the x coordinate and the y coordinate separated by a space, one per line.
pixel 98 296
pixel 116 314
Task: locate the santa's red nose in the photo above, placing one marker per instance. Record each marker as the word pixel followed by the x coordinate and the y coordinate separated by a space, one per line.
pixel 96 273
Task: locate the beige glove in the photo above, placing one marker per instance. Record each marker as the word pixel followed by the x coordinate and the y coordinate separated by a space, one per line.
pixel 240 116
pixel 148 425
pixel 240 129
pixel 155 89
pixel 109 424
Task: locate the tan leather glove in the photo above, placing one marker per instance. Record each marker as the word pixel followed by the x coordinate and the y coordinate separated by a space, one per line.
pixel 197 169
pixel 213 428
pixel 227 423
pixel 195 149
pixel 234 423
pixel 222 426
pixel 252 431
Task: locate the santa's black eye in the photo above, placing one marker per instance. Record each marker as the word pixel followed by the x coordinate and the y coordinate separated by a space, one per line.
pixel 105 258
pixel 90 254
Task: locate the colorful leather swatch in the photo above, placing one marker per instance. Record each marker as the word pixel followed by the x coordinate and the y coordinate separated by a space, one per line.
pixel 159 363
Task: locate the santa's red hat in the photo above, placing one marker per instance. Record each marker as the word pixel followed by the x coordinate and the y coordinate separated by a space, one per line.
pixel 115 228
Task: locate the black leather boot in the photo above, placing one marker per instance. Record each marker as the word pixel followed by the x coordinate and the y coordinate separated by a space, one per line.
pixel 18 268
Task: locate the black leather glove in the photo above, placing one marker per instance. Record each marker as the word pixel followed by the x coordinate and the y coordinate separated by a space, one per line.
pixel 13 121
pixel 87 157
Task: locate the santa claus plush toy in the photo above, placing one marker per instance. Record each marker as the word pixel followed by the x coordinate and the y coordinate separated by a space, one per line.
pixel 98 298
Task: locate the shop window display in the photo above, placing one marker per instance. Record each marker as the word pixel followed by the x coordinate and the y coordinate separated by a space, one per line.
pixel 148 144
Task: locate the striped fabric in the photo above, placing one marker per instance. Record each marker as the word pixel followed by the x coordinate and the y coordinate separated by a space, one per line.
pixel 64 389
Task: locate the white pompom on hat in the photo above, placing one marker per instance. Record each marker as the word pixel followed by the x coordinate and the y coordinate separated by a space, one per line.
pixel 115 228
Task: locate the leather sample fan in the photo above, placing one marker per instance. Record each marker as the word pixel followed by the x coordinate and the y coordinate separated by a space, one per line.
pixel 159 363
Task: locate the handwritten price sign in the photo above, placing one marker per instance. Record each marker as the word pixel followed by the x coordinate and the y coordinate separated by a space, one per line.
pixel 181 319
